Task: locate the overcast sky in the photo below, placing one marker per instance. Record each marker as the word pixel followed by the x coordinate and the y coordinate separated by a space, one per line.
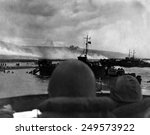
pixel 114 25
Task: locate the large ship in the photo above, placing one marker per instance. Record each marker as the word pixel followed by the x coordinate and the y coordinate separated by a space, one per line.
pixel 95 65
pixel 129 61
pixel 103 69
pixel 47 66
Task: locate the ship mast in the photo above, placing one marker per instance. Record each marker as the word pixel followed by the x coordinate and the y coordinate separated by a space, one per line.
pixel 134 53
pixel 87 42
pixel 129 53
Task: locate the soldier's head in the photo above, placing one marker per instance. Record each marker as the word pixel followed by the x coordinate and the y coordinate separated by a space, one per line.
pixel 127 89
pixel 72 78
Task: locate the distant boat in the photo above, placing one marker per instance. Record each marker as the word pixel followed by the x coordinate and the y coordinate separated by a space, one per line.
pixel 126 62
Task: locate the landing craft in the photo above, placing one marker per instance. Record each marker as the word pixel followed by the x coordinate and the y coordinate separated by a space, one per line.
pixel 102 68
pixel 45 68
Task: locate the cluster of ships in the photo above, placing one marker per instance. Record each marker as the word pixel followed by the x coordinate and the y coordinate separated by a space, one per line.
pixel 101 68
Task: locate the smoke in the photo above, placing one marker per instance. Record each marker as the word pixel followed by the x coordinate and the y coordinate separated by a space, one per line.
pixel 114 25
pixel 16 52
pixel 96 56
pixel 61 53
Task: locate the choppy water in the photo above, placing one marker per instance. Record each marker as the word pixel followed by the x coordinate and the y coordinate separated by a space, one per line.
pixel 145 74
pixel 19 82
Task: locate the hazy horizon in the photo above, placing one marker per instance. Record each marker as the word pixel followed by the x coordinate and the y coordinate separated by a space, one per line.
pixel 113 25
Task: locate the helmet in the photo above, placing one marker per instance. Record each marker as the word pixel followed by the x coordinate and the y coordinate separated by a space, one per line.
pixel 72 78
pixel 127 89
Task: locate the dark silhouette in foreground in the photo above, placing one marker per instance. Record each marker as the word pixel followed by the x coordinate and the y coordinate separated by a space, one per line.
pixel 72 93
pixel 6 111
pixel 131 104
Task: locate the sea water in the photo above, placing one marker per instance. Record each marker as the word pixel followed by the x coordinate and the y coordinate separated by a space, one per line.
pixel 20 82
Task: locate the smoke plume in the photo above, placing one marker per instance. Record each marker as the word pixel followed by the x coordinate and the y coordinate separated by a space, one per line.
pixel 114 25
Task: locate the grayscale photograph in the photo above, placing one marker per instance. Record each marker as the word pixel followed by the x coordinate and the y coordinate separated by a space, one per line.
pixel 74 58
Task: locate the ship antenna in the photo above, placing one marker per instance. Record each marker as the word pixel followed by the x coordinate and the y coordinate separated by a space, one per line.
pixel 87 38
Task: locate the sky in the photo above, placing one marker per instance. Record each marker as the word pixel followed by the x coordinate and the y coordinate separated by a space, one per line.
pixel 113 25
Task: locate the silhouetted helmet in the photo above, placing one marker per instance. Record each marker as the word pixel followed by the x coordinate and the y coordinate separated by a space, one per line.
pixel 127 89
pixel 72 78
